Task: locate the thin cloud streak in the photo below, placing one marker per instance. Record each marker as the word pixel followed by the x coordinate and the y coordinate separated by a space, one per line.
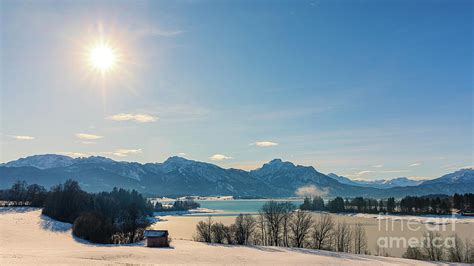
pixel 219 157
pixel 363 173
pixel 87 137
pixel 74 154
pixel 265 144
pixel 140 118
pixel 23 137
pixel 158 32
pixel 126 152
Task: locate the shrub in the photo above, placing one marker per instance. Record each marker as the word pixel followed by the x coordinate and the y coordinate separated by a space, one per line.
pixel 94 227
pixel 203 231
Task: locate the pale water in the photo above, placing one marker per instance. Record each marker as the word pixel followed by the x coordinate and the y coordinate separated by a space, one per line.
pixel 240 206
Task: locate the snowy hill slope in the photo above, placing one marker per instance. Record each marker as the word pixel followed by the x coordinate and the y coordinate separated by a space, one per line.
pixel 27 238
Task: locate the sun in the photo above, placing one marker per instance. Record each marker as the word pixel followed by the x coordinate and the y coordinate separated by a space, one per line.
pixel 102 57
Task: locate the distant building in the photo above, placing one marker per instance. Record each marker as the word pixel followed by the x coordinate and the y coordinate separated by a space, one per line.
pixel 156 238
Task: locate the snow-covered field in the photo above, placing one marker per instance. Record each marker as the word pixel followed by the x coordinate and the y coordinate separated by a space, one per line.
pixel 422 219
pixel 28 238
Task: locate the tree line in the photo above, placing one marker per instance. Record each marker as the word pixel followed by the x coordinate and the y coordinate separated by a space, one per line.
pixel 119 216
pixel 279 224
pixel 430 249
pixel 440 204
pixel 22 194
pixel 178 205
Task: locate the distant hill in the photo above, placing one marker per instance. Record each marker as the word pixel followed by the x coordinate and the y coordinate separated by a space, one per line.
pixel 381 183
pixel 461 181
pixel 180 176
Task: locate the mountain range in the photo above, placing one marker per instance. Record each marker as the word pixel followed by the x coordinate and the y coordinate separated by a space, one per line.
pixel 380 183
pixel 180 176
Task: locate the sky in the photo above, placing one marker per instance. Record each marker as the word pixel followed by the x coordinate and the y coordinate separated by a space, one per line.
pixel 364 89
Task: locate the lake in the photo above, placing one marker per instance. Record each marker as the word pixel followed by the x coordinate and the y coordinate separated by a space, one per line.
pixel 184 226
pixel 240 206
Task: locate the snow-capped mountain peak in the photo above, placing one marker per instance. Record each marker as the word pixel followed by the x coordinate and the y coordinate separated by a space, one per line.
pixel 380 183
pixel 44 161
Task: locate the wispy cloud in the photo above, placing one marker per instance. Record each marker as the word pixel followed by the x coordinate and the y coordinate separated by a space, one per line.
pixel 87 142
pixel 23 137
pixel 219 157
pixel 393 171
pixel 265 144
pixel 365 172
pixel 377 166
pixel 415 164
pixel 140 118
pixel 74 154
pixel 247 165
pixel 88 137
pixel 455 167
pixel 182 154
pixel 150 31
pixel 126 152
pixel 420 177
pixel 118 153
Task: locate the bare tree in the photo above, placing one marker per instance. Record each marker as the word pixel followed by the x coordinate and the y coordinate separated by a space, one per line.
pixel 244 228
pixel 432 246
pixel 288 208
pixel 218 232
pixel 274 213
pixel 19 192
pixel 343 237
pixel 262 229
pixel 469 252
pixel 203 230
pixel 300 225
pixel 249 227
pixel 322 231
pixel 239 230
pixel 229 233
pixel 457 250
pixel 359 238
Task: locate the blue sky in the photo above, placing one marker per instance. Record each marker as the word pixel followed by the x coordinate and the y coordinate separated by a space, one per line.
pixel 365 89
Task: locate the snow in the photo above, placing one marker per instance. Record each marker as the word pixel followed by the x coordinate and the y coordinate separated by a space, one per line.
pixel 45 161
pixel 28 238
pixel 423 219
pixel 213 198
pixel 188 212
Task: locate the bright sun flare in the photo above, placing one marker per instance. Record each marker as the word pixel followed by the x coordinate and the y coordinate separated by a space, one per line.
pixel 102 57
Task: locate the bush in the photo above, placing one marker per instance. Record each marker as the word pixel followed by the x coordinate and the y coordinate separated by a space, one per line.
pixel 94 227
pixel 203 231
pixel 218 232
pixel 413 253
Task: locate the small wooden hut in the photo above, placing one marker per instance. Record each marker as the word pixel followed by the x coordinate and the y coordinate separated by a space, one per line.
pixel 156 238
